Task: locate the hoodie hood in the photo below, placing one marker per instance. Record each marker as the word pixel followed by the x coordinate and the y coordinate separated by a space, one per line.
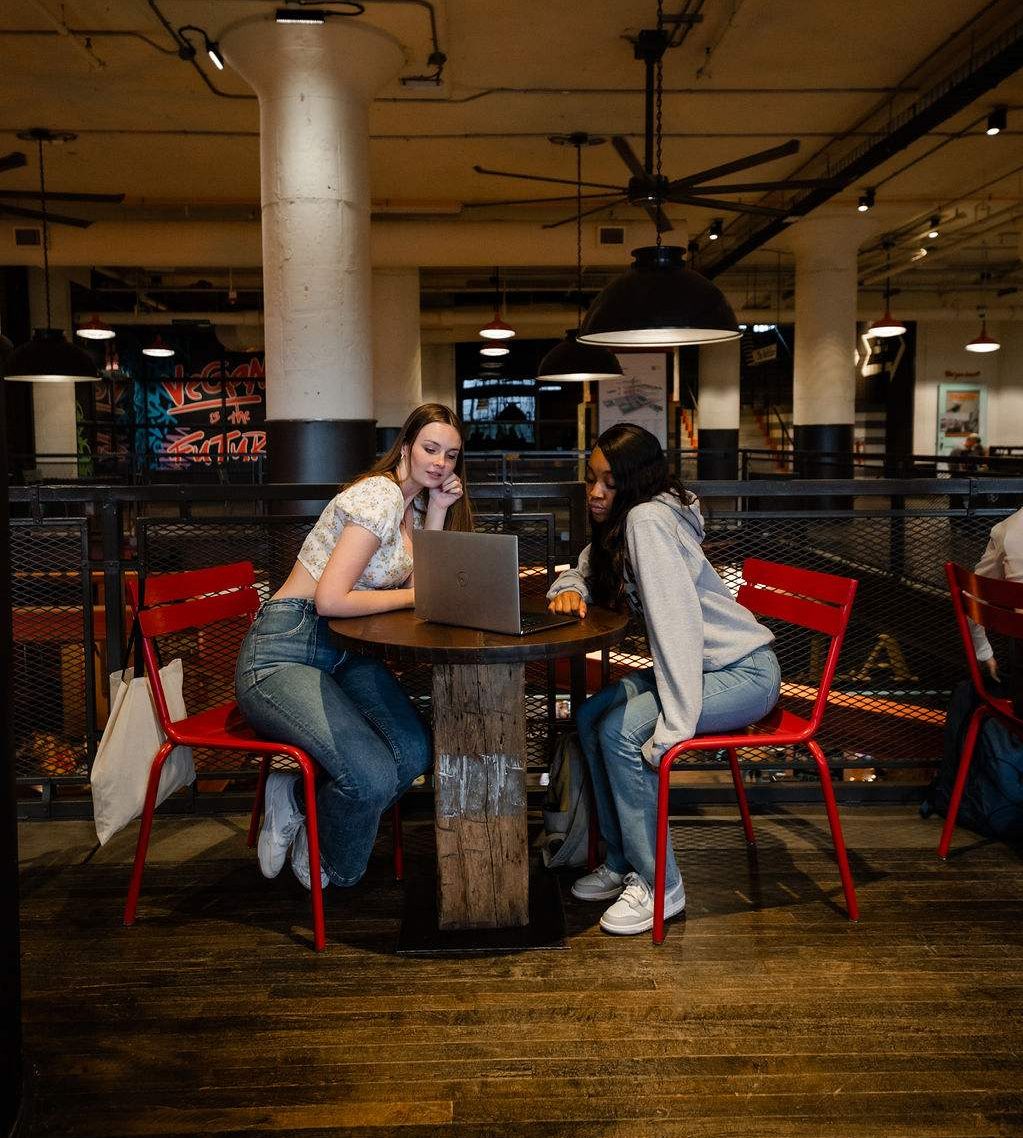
pixel 688 514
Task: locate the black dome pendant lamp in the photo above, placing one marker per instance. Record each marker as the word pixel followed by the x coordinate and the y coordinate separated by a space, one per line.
pixel 48 357
pixel 570 361
pixel 658 303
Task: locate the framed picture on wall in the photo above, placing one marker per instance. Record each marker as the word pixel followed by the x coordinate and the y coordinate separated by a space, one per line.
pixel 962 411
pixel 640 396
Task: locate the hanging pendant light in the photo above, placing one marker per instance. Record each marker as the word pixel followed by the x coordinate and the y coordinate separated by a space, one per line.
pixel 497 329
pixel 569 360
pixel 158 348
pixel 887 325
pixel 95 329
pixel 494 349
pixel 48 357
pixel 659 303
pixel 984 342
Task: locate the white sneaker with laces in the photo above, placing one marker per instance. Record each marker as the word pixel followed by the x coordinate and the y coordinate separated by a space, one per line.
pixel 281 821
pixel 601 885
pixel 300 859
pixel 633 912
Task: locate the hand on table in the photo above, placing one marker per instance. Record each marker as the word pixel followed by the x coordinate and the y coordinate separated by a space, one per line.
pixel 568 602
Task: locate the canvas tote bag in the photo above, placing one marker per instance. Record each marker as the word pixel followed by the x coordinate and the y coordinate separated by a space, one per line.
pixel 130 741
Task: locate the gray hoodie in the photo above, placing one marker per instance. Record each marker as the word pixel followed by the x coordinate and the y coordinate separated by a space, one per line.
pixel 693 623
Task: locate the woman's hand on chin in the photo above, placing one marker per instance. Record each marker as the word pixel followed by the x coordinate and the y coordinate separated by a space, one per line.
pixel 447 494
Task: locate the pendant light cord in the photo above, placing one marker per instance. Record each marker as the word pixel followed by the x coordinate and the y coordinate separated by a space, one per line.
pixel 659 84
pixel 578 234
pixel 46 232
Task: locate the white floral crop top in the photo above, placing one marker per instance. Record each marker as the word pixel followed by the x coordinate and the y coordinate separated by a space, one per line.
pixel 378 505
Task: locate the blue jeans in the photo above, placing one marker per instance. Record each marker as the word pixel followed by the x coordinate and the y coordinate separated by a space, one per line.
pixel 615 723
pixel 347 712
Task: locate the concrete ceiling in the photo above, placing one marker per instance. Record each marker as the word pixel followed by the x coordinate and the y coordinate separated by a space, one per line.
pixel 745 75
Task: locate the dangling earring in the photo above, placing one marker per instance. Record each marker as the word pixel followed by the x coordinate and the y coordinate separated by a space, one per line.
pixel 402 470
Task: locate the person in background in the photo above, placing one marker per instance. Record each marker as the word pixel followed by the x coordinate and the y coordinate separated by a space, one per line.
pixel 347 711
pixel 713 667
pixel 1003 558
pixel 972 450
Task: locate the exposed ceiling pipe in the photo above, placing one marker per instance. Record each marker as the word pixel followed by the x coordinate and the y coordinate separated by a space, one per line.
pixel 995 64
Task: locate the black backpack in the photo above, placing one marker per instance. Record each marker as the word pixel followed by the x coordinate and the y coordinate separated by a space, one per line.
pixel 992 802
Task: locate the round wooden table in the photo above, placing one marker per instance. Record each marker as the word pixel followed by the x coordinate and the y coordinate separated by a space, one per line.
pixel 479 739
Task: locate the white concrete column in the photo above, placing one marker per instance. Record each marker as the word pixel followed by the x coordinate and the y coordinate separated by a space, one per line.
pixel 315 84
pixel 824 376
pixel 397 365
pixel 718 410
pixel 439 375
pixel 53 404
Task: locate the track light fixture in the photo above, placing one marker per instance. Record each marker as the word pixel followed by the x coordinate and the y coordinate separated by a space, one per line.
pixel 997 121
pixel 933 232
pixel 866 201
pixel 716 227
pixel 211 47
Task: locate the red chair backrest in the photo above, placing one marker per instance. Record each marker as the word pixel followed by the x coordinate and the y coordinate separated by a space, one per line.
pixel 821 602
pixel 993 603
pixel 186 601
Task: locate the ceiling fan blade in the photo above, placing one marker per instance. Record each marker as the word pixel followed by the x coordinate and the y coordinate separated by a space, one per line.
pixel 763 187
pixel 734 207
pixel 542 178
pixel 585 213
pixel 37 215
pixel 62 196
pixel 12 161
pixel 750 160
pixel 534 201
pixel 623 148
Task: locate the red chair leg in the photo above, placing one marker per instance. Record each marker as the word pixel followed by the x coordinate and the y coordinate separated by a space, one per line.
pixel 145 829
pixel 399 845
pixel 313 833
pixel 740 793
pixel 969 743
pixel 257 805
pixel 661 852
pixel 831 806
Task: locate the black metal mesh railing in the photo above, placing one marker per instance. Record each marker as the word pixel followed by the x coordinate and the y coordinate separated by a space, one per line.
pixel 901 659
pixel 59 670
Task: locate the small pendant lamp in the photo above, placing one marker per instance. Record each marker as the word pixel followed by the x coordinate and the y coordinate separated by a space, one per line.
pixel 569 360
pixel 95 329
pixel 48 357
pixel 497 329
pixel 983 342
pixel 887 325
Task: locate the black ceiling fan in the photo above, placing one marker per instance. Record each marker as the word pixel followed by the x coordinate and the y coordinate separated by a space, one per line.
pixel 16 159
pixel 648 188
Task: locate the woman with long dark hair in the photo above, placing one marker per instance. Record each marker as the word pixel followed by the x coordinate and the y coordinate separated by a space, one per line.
pixel 713 669
pixel 347 711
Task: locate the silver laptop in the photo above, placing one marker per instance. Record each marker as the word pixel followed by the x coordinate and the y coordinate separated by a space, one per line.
pixel 472 579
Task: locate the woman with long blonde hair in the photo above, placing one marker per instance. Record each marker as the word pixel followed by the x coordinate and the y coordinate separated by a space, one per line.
pixel 346 711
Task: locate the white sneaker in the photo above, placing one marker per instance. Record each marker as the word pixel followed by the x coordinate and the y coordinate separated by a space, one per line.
pixel 281 821
pixel 633 912
pixel 300 859
pixel 600 885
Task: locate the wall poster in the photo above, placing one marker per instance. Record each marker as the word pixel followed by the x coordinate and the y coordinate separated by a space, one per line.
pixel 639 397
pixel 962 411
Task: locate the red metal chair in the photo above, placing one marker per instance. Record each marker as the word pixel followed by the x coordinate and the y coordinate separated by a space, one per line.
pixel 818 601
pixel 997 606
pixel 193 601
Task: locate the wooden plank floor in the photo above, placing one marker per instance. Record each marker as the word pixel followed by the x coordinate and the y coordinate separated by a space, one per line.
pixel 766 1013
